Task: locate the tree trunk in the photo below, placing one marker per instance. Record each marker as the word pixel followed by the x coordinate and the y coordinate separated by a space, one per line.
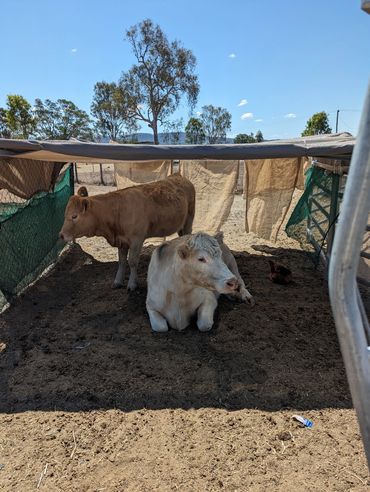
pixel 155 131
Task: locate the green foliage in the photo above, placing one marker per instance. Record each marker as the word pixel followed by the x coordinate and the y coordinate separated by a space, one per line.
pixel 194 132
pixel 317 124
pixel 172 131
pixel 248 138
pixel 4 129
pixel 19 118
pixel 111 110
pixel 164 72
pixel 61 120
pixel 244 138
pixel 259 136
pixel 215 121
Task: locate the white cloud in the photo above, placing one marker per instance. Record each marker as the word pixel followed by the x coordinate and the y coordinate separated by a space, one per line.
pixel 199 113
pixel 232 55
pixel 290 115
pixel 74 50
pixel 243 102
pixel 246 116
pixel 259 120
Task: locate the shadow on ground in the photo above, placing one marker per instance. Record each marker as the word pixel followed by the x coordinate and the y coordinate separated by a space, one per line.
pixel 72 343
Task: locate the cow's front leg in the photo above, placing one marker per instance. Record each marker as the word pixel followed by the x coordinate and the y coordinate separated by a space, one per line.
pixel 206 312
pixel 246 296
pixel 157 321
pixel 133 261
pixel 120 275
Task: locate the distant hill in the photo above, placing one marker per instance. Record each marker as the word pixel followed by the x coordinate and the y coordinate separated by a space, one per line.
pixel 148 138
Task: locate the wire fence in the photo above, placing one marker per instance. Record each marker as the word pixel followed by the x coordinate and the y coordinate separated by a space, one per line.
pixel 29 230
pixel 103 174
pixel 94 174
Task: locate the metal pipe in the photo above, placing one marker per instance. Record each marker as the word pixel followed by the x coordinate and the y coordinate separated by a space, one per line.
pixel 336 121
pixel 321 208
pixel 76 174
pixel 322 232
pixel 333 211
pixel 342 276
pixel 101 174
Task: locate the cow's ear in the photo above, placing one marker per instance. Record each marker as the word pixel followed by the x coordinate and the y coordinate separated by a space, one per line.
pixel 85 204
pixel 82 191
pixel 183 251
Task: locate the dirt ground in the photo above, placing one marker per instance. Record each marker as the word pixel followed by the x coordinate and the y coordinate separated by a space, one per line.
pixel 91 400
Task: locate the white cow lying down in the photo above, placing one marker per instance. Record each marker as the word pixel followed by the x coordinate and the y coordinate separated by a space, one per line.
pixel 186 277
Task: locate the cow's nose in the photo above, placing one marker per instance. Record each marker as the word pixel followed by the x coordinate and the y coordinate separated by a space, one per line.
pixel 232 283
pixel 61 235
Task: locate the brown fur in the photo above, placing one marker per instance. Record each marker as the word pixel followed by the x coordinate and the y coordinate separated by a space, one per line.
pixel 127 217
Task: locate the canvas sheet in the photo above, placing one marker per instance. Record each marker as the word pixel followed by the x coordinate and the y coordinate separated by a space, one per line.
pixel 269 185
pixel 215 183
pixel 25 177
pixel 139 172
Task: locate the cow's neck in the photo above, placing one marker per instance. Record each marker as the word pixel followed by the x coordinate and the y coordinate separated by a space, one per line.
pixel 108 233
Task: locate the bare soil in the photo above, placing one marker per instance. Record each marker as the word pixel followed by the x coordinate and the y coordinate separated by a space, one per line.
pixel 91 400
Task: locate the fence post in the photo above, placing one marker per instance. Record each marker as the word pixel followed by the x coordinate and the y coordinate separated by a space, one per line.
pixel 76 175
pixel 71 178
pixel 101 174
pixel 333 211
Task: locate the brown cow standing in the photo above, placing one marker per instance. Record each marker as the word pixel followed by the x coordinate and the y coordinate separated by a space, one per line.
pixel 125 218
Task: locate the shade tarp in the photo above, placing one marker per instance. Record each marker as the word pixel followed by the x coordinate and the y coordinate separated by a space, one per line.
pixel 215 183
pixel 24 177
pixel 139 172
pixel 339 144
pixel 269 185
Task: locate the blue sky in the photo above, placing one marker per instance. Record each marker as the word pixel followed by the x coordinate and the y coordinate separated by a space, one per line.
pixel 274 61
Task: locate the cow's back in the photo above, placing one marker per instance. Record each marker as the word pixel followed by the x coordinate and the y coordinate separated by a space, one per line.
pixel 155 209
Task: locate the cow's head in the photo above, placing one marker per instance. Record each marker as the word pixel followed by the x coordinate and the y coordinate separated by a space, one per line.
pixel 201 263
pixel 78 220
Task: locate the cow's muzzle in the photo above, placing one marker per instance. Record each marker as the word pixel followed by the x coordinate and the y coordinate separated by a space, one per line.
pixel 232 284
pixel 63 237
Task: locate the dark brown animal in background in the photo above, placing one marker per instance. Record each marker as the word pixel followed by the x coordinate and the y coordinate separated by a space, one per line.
pixel 82 191
pixel 280 274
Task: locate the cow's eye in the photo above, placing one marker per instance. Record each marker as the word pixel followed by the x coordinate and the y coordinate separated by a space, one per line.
pixel 74 216
pixel 203 260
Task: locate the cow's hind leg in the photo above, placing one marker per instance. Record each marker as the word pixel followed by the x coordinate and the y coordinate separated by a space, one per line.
pixel 133 261
pixel 120 275
pixel 157 321
pixel 187 227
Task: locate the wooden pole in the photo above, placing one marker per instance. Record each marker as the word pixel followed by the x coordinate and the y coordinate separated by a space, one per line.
pixel 76 174
pixel 101 174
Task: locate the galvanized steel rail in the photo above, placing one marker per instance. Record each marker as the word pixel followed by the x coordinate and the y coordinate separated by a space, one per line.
pixel 349 314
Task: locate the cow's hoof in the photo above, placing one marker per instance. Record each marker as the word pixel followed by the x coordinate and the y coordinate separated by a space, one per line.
pixel 160 328
pixel 131 288
pixel 204 327
pixel 117 285
pixel 250 301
